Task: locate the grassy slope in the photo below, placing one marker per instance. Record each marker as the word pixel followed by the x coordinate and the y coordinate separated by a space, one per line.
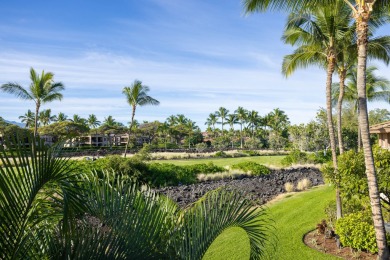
pixel 294 216
pixel 265 160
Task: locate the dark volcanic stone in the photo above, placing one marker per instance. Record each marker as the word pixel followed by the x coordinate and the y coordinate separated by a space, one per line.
pixel 260 189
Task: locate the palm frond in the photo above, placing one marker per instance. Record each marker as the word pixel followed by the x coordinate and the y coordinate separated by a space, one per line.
pixel 19 91
pixel 219 210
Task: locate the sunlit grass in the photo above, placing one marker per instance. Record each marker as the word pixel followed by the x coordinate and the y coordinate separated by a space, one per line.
pixel 294 216
pixel 271 161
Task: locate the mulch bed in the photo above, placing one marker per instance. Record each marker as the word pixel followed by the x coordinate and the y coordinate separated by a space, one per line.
pixel 328 245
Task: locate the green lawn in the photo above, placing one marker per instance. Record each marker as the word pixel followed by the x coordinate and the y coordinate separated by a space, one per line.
pixel 265 160
pixel 293 216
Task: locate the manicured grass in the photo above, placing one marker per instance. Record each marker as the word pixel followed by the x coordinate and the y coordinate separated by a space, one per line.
pixel 265 160
pixel 294 216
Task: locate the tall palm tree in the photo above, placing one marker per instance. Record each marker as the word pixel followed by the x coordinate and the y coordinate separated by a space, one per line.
pixel 242 115
pixel 61 117
pixel 377 89
pixel 137 95
pixel 254 120
pixel 211 121
pixel 109 121
pixel 78 120
pixel 378 48
pixel 317 32
pixel 92 121
pixel 42 90
pixel 362 11
pixel 45 117
pixel 222 114
pixel 231 120
pixel 191 126
pixel 28 119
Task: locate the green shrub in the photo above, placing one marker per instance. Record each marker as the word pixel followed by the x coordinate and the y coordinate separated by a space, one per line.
pixel 221 154
pixel 252 167
pixel 165 174
pixel 251 152
pixel 295 157
pixel 200 147
pixel 356 230
pixel 204 168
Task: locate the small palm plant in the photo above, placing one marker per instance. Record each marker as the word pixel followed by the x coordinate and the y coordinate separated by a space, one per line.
pixel 48 210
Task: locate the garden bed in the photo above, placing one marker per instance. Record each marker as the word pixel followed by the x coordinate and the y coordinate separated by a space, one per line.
pixel 329 246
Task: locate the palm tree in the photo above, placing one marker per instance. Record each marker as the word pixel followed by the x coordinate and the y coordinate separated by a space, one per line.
pixel 211 121
pixel 222 114
pixel 254 120
pixel 45 117
pixel 109 121
pixel 92 121
pixel 51 210
pixel 191 126
pixel 42 90
pixel 377 89
pixel 231 120
pixel 318 33
pixel 136 95
pixel 78 120
pixel 362 12
pixel 28 119
pixel 61 117
pixel 242 115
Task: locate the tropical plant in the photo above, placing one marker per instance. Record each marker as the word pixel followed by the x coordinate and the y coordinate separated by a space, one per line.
pixel 28 119
pixel 42 90
pixel 78 120
pixel 61 117
pixel 242 115
pixel 48 210
pixel 362 12
pixel 109 121
pixel 92 121
pixel 136 95
pixel 222 113
pixel 45 117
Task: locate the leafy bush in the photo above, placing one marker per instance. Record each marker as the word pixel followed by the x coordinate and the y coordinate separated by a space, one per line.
pixel 320 157
pixel 200 147
pixel 356 230
pixel 204 168
pixel 252 167
pixel 251 152
pixel 253 143
pixel 165 174
pixel 295 157
pixel 221 154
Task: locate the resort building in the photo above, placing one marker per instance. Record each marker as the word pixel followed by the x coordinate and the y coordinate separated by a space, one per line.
pixel 383 131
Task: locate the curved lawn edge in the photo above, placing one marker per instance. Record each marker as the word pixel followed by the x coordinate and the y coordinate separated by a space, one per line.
pixel 294 216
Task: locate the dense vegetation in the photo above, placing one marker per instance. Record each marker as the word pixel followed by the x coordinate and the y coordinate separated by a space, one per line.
pixel 49 209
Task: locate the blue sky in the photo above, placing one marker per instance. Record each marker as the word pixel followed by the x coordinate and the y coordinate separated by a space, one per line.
pixel 195 55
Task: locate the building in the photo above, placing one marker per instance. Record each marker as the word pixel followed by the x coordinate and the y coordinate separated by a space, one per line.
pixel 383 131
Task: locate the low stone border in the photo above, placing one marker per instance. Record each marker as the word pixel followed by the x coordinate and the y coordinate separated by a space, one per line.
pixel 260 189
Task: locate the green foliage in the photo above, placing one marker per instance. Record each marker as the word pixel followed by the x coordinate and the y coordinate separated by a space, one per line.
pixel 165 174
pixel 221 154
pixel 252 167
pixel 205 168
pixel 251 152
pixel 253 143
pixel 356 230
pixel 47 211
pixel 200 147
pixel 295 157
pixel 144 153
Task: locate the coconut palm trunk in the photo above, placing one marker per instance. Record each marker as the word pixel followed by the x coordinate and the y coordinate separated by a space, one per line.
pixel 342 76
pixel 362 17
pixel 330 69
pixel 131 127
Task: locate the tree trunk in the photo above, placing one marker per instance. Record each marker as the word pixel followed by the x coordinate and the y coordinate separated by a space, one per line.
pixel 362 17
pixel 342 75
pixel 131 126
pixel 330 70
pixel 241 134
pixel 36 119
